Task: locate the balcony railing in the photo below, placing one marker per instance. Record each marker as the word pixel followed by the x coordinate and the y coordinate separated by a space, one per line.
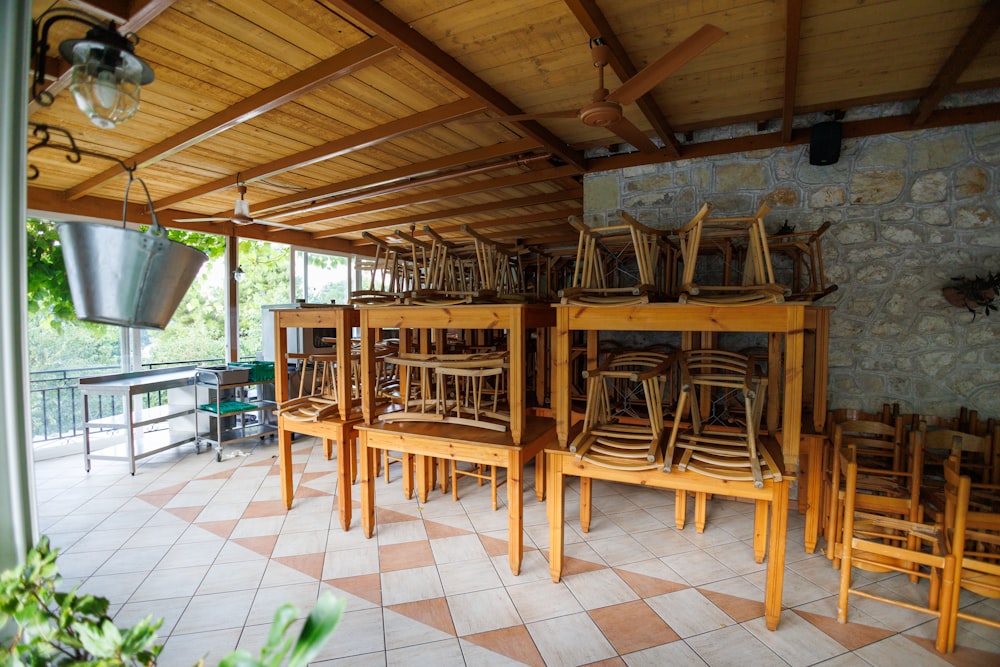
pixel 56 406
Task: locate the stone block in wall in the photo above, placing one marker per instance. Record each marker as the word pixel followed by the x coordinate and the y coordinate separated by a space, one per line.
pixel 902 234
pixel 832 195
pixel 877 186
pixel 735 176
pixel 985 139
pixel 975 217
pixel 929 188
pixel 971 181
pixel 854 232
pixel 937 151
pixel 884 152
pixel 937 216
pixel 601 193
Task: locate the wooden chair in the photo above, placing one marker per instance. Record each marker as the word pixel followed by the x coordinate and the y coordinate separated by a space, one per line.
pixel 622 264
pixel 881 543
pixel 755 283
pixel 610 436
pixel 803 249
pixel 975 543
pixel 880 451
pixel 736 450
pixel 481 473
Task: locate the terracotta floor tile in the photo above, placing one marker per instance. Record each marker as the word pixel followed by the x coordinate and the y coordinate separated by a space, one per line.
pixel 849 635
pixel 405 555
pixel 740 609
pixel 632 626
pixel 308 564
pixel 646 586
pixel 365 586
pixel 514 642
pixel 264 508
pixel 434 613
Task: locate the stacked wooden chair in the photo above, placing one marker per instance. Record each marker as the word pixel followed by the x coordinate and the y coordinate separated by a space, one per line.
pixel 877 542
pixel 390 275
pixel 891 467
pixel 622 264
pixel 727 239
pixel 974 531
pixel 729 449
pixel 804 254
pixel 450 388
pixel 617 436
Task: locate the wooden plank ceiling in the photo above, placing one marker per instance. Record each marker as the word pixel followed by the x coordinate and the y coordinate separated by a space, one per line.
pixel 347 116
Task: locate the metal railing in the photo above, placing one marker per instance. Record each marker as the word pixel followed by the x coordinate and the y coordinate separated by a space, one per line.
pixel 57 408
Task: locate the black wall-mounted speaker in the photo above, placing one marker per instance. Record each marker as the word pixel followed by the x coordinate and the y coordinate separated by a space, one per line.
pixel 824 142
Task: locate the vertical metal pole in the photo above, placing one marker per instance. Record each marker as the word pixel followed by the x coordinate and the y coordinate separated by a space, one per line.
pixel 17 510
pixel 232 300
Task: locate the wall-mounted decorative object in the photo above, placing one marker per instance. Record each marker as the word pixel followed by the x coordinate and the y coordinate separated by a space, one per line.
pixel 977 295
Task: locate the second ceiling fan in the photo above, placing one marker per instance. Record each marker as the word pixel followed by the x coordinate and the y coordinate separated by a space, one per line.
pixel 605 108
pixel 241 214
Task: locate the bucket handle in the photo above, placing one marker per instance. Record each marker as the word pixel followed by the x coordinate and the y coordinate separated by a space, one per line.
pixel 156 229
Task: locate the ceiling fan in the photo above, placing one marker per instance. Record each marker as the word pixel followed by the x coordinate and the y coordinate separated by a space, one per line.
pixel 605 108
pixel 241 214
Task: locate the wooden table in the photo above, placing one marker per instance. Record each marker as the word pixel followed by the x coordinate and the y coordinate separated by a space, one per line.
pixel 785 319
pixel 561 464
pixel 428 440
pixel 525 439
pixel 340 428
pixel 515 318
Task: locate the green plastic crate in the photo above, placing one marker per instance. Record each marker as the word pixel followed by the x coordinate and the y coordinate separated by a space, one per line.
pixel 228 406
pixel 260 371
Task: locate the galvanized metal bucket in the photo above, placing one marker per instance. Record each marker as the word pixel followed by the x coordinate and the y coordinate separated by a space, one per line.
pixel 126 277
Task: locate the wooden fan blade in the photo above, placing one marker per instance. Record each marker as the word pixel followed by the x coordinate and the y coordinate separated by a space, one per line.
pixel 275 223
pixel 201 219
pixel 630 133
pixel 673 60
pixel 566 113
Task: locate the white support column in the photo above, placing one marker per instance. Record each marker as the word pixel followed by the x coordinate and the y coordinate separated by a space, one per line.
pixel 17 507
pixel 232 300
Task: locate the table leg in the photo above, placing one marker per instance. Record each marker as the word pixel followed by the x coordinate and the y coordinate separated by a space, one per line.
pixel 680 508
pixel 759 530
pixel 586 491
pixel 328 449
pixel 285 466
pixel 515 511
pixel 700 510
pixel 345 475
pixel 813 491
pixel 366 456
pixel 540 476
pixel 556 505
pixel 776 561
pixel 425 469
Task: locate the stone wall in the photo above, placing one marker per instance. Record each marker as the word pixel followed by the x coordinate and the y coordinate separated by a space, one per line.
pixel 909 212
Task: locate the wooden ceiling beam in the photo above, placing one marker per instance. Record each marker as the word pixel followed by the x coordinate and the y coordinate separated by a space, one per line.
pixel 590 16
pixel 983 113
pixel 978 33
pixel 562 215
pixel 793 35
pixel 390 176
pixel 444 194
pixel 433 216
pixel 393 29
pixel 140 13
pixel 332 149
pixel 343 64
pixel 415 183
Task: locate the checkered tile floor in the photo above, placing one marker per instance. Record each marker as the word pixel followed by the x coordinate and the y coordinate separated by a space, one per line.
pixel 209 547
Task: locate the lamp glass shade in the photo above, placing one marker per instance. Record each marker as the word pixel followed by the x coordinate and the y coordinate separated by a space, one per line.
pixel 105 82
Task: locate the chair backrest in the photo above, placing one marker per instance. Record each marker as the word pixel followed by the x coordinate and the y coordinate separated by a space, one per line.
pixel 880 445
pixel 977 454
pixel 975 537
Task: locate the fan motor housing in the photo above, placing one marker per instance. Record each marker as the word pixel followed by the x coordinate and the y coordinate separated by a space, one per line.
pixel 601 114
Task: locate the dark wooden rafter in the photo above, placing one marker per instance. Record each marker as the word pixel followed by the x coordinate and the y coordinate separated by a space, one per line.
pixel 344 63
pixel 596 24
pixel 130 17
pixel 332 149
pixel 52 202
pixel 793 30
pixel 444 214
pixel 562 215
pixel 983 113
pixel 415 183
pixel 978 33
pixel 393 29
pixel 525 178
pixel 392 176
